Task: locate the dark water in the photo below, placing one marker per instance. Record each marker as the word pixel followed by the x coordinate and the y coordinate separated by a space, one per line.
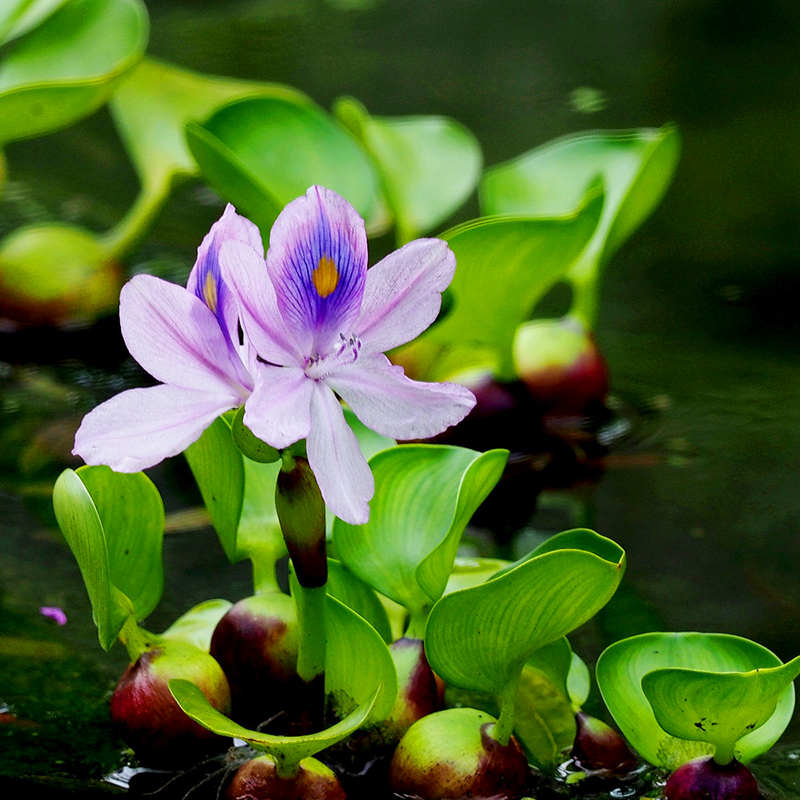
pixel 698 322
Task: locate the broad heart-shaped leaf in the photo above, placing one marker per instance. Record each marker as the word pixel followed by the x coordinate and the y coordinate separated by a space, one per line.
pixel 69 65
pixel 636 168
pixel 151 109
pixel 260 153
pixel 429 165
pixel 80 523
pixel 132 514
pixel 20 16
pixel 424 498
pixel 479 638
pixel 716 707
pixel 360 679
pixel 622 666
pixel 505 266
pixel 196 626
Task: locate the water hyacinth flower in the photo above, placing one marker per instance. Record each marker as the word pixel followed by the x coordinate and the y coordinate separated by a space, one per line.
pixel 187 339
pixel 320 323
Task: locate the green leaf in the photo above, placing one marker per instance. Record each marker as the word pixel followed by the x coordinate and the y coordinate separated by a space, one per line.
pixel 636 167
pixel 716 707
pixel 424 497
pixel 249 444
pixel 286 749
pixel 622 667
pixel 479 638
pixel 151 110
pixel 69 65
pixel 197 625
pixel 19 16
pixel 357 663
pixel 261 153
pixel 505 266
pixel 132 515
pixel 469 571
pixel 360 678
pixel 356 594
pixel 429 165
pixel 579 682
pixel 80 523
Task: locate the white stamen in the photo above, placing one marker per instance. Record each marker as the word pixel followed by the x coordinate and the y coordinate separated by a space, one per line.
pixel 320 367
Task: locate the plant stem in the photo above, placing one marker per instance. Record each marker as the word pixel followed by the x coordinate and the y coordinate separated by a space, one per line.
pixel 505 724
pixel 311 604
pixel 135 638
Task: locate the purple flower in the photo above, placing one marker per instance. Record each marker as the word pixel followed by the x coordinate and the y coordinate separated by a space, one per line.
pixel 320 323
pixel 54 612
pixel 187 339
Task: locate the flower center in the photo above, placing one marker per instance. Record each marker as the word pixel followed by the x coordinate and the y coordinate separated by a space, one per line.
pixel 320 367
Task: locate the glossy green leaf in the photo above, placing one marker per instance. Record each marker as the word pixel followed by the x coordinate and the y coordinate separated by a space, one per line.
pixel 69 65
pixel 80 523
pixel 479 638
pixel 636 168
pixel 197 625
pixel 505 266
pixel 218 468
pixel 355 594
pixel 285 749
pixel 151 110
pixel 622 666
pixel 716 707
pixel 261 153
pixel 429 165
pixel 357 663
pixel 424 497
pixel 579 682
pixel 19 16
pixel 132 514
pixel 468 571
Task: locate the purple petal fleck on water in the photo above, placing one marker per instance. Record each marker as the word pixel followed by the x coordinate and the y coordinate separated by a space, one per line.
pixel 54 613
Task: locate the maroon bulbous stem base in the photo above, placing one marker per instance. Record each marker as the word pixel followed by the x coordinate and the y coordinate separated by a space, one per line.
pixel 599 748
pixel 704 779
pixel 258 780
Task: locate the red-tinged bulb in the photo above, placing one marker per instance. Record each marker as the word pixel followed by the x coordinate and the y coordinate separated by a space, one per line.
pixel 560 365
pixel 147 716
pixel 451 754
pixel 258 779
pixel 256 646
pixel 704 779
pixel 599 748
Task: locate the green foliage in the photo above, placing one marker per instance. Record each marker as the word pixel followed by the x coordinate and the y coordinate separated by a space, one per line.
pixel 69 65
pixel 705 677
pixel 424 497
pixel 428 165
pixel 505 266
pixel 17 17
pixel 196 626
pixel 263 152
pixel 114 525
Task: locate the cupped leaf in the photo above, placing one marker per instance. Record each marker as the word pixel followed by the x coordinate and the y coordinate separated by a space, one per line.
pixel 468 571
pixel 716 707
pixel 622 667
pixel 261 153
pixel 151 110
pixel 479 638
pixel 19 16
pixel 132 514
pixel 424 498
pixel 505 266
pixel 287 750
pixel 197 625
pixel 579 681
pixel 356 594
pixel 69 65
pixel 429 165
pixel 636 168
pixel 80 523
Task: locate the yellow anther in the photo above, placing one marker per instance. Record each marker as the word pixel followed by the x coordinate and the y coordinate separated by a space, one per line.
pixel 325 276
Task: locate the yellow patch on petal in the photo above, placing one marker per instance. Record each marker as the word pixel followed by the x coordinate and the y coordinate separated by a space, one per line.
pixel 325 276
pixel 210 292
